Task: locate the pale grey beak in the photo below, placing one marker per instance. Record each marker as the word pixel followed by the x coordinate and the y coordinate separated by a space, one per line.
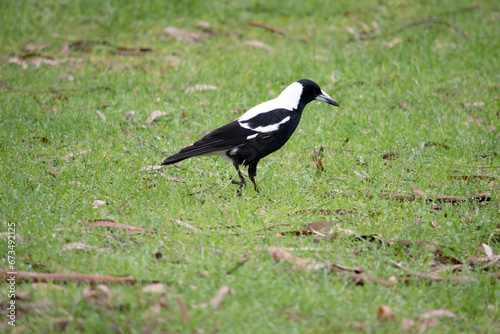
pixel 324 97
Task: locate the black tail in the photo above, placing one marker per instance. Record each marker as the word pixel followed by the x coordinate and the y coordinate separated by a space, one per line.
pixel 176 158
pixel 187 152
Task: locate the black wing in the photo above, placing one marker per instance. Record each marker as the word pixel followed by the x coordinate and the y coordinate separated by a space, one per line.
pixel 226 137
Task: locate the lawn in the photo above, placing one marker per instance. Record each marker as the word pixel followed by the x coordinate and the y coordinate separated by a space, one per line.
pixel 380 216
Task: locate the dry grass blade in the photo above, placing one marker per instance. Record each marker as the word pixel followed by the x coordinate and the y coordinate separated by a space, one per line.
pixel 186 225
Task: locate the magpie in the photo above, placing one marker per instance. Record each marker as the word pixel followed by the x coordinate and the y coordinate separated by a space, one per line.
pixel 257 133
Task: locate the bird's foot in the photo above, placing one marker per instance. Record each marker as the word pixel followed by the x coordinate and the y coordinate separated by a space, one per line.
pixel 241 185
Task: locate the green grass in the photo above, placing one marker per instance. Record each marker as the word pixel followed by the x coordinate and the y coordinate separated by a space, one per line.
pixel 393 100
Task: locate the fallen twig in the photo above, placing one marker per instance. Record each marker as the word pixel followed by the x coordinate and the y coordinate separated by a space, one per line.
pixel 267 27
pixel 238 265
pixel 25 276
pixel 430 21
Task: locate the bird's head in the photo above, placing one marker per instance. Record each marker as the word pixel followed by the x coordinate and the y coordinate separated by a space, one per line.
pixel 311 91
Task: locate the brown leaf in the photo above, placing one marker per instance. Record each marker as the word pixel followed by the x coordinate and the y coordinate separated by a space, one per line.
pixel 384 313
pixel 35 61
pixel 184 310
pixel 33 47
pixel 406 324
pixel 316 226
pixel 419 194
pixel 205 26
pixel 81 245
pixel 258 44
pixel 425 324
pixel 319 165
pixel 181 35
pixel 436 313
pixel 98 295
pixel 389 156
pixel 358 326
pixel 154 115
pixel 109 223
pixel 467 177
pixel 216 300
pixel 487 250
pixel 200 88
pixel 129 115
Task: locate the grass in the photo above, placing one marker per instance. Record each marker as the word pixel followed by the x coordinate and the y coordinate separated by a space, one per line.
pixel 409 92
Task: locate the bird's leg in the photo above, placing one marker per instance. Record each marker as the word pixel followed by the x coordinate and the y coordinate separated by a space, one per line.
pixel 252 173
pixel 242 183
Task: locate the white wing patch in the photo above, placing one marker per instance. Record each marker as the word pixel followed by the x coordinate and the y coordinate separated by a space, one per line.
pixel 252 136
pixel 264 129
pixel 288 99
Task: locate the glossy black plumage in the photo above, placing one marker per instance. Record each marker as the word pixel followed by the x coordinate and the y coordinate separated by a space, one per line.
pixel 259 132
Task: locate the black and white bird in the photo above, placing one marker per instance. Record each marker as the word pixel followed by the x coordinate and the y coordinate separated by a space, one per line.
pixel 257 133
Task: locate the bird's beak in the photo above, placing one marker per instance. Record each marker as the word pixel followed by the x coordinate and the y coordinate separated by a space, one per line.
pixel 326 98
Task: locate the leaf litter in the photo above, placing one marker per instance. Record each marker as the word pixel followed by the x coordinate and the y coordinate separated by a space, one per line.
pixel 110 223
pixel 182 35
pixel 155 115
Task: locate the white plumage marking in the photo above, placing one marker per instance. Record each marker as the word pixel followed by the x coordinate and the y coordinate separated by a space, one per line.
pixel 288 99
pixel 252 136
pixel 264 129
